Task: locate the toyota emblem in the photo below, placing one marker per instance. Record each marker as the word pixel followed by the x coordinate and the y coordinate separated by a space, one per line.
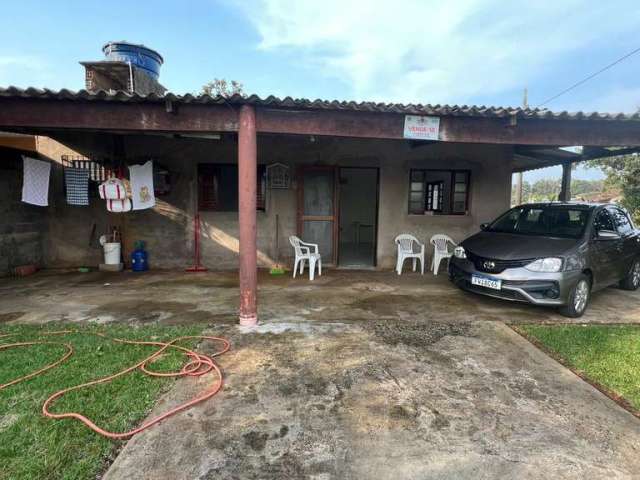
pixel 489 265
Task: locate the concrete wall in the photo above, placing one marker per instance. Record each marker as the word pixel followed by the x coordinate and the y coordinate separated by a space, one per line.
pixel 22 226
pixel 168 228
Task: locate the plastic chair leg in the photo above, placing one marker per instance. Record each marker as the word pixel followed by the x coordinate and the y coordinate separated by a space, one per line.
pixel 415 263
pixel 312 268
pixel 436 265
pixel 295 267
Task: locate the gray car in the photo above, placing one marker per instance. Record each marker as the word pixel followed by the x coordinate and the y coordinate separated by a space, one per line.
pixel 552 254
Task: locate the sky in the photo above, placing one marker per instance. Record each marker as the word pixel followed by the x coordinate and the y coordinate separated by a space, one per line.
pixel 483 52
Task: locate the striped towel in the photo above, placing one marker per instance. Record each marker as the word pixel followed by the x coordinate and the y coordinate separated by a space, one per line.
pixel 77 183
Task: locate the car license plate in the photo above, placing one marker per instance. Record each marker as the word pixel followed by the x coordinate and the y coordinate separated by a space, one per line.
pixel 488 282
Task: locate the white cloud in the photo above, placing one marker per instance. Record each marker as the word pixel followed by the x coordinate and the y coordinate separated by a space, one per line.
pixel 616 99
pixel 434 51
pixel 24 71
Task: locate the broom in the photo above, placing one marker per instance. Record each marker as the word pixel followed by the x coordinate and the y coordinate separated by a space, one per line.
pixel 277 269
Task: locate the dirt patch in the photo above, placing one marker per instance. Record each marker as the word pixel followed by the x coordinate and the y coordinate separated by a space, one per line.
pixel 256 440
pixel 197 282
pixel 10 317
pixel 168 313
pixel 417 334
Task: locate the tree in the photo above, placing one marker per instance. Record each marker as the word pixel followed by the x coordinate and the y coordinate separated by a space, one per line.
pixel 623 172
pixel 221 87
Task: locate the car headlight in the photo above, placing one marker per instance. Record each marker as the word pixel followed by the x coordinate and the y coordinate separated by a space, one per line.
pixel 546 265
pixel 459 252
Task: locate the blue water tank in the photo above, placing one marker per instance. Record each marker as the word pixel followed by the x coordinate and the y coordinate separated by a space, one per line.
pixel 139 260
pixel 139 55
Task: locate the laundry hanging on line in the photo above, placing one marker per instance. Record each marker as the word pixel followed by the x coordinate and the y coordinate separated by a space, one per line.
pixel 35 181
pixel 77 185
pixel 141 178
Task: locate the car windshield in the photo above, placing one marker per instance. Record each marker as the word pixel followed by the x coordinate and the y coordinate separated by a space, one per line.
pixel 547 220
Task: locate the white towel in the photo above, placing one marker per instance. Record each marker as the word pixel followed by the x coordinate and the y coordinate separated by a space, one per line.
pixel 35 182
pixel 141 178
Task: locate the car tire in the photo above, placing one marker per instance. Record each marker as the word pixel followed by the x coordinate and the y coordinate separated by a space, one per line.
pixel 578 299
pixel 632 280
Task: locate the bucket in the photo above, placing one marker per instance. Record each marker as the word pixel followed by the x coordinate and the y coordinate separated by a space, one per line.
pixel 112 253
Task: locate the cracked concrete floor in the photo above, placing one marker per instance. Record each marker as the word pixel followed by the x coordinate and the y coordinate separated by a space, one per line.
pixel 358 375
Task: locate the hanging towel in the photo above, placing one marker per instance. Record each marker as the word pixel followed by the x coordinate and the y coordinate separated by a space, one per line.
pixel 35 183
pixel 77 182
pixel 141 178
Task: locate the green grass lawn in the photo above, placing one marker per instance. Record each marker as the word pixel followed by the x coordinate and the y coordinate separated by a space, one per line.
pixel 606 354
pixel 35 447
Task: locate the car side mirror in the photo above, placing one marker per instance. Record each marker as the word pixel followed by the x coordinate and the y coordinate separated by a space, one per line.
pixel 607 235
pixel 484 226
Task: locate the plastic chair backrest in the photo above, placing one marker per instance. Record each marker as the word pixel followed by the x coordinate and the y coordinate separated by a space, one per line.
pixel 405 242
pixel 295 242
pixel 441 241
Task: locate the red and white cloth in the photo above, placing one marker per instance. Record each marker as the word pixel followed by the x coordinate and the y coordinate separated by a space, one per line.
pixel 35 182
pixel 112 189
pixel 119 206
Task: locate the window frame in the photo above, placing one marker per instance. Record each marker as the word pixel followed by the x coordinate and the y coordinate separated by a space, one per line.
pixel 452 191
pixel 613 212
pixel 261 187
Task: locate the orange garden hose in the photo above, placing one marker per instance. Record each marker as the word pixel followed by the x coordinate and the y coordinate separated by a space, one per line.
pixel 198 365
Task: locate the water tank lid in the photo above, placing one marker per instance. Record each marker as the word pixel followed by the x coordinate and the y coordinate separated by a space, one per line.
pixel 152 52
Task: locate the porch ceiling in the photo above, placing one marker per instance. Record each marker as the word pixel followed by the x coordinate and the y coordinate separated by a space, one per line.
pixel 532 157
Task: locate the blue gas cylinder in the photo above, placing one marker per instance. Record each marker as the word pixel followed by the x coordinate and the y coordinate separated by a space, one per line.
pixel 139 261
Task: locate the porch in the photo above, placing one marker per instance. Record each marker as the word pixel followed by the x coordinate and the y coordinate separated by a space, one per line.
pixel 337 297
pixel 470 154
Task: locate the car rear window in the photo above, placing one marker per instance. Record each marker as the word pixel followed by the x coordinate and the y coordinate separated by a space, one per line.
pixel 551 221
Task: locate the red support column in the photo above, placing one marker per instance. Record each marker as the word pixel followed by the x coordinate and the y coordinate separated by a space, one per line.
pixel 247 197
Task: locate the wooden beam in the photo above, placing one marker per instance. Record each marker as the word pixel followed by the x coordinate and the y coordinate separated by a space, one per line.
pixel 452 129
pixel 153 116
pixel 120 116
pixel 565 184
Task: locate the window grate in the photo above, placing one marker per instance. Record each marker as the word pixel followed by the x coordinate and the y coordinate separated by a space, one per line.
pixel 97 172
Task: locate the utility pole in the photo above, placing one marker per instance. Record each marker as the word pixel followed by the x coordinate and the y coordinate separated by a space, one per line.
pixel 519 179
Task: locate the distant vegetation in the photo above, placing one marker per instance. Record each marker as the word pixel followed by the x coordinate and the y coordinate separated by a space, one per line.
pixel 547 190
pixel 222 87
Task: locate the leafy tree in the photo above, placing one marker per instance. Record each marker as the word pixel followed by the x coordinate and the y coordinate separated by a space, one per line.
pixel 222 87
pixel 623 173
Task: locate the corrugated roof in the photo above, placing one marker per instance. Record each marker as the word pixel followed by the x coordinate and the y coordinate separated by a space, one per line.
pixel 307 104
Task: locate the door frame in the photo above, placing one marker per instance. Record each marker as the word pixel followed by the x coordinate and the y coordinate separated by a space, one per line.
pixel 335 218
pixel 377 206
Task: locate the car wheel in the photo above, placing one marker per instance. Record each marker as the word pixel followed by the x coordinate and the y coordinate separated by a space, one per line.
pixel 632 280
pixel 578 298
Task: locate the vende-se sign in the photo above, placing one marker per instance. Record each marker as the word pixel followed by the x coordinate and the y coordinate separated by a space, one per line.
pixel 421 128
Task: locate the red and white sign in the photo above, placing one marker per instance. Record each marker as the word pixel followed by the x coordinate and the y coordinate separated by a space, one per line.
pixel 421 127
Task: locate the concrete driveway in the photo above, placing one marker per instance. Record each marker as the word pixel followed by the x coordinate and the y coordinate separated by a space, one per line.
pixel 358 375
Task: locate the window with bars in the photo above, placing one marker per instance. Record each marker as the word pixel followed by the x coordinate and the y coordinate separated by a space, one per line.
pixel 438 192
pixel 218 187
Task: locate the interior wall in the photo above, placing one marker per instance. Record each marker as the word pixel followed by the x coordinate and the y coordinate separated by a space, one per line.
pixel 358 196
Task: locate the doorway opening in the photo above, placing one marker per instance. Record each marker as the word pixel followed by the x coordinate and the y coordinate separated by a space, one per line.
pixel 358 213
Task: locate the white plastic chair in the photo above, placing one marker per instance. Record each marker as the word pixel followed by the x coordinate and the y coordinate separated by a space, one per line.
pixel 441 250
pixel 406 249
pixel 303 253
